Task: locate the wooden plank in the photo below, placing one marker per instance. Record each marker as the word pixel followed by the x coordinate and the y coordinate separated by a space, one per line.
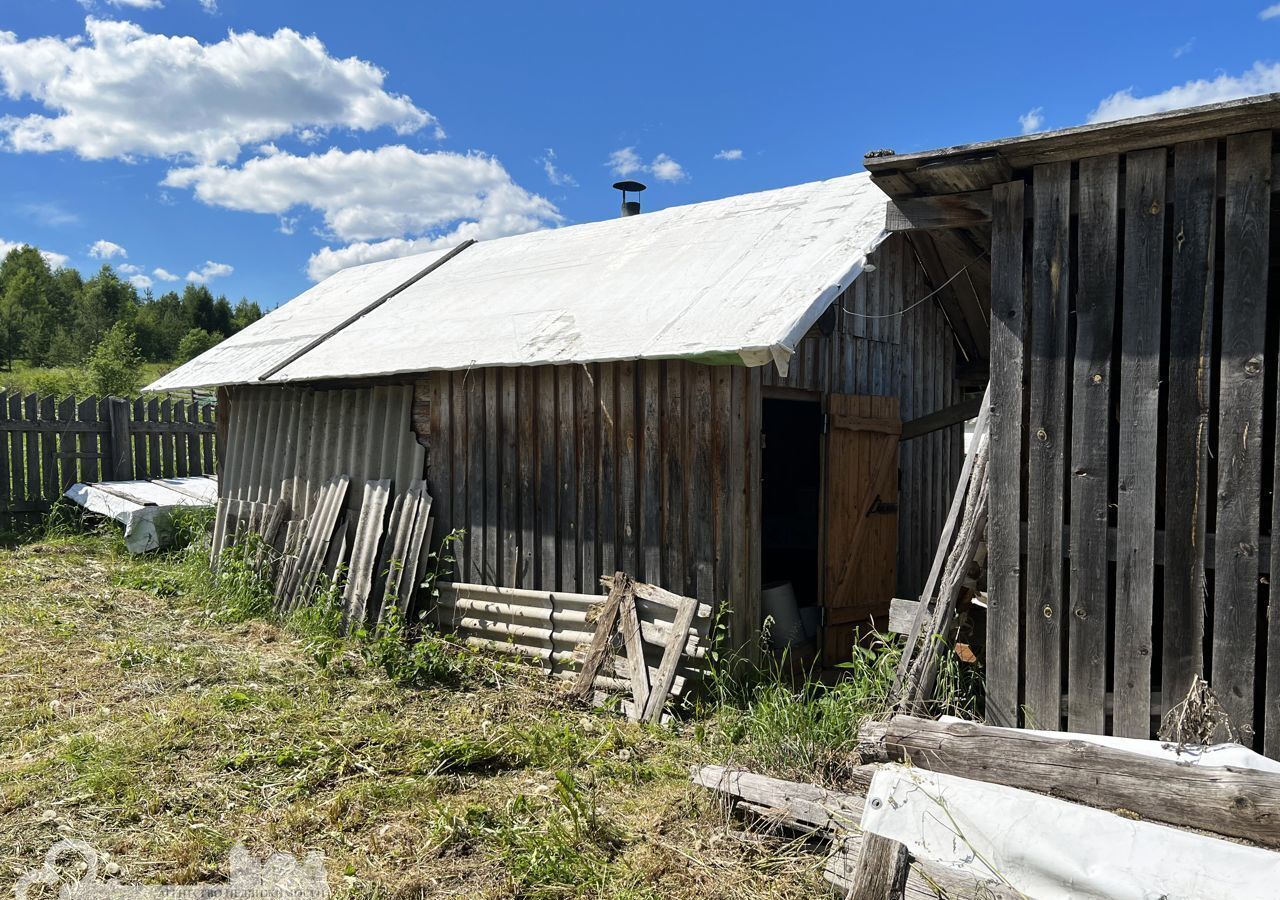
pixel 365 551
pixel 629 625
pixel 954 414
pixel 17 453
pixel 209 445
pixel 192 417
pixel 596 654
pixel 1139 390
pixel 1240 803
pixel 701 552
pixel 674 516
pixel 1047 438
pixel 1090 442
pixel 1008 352
pixel 120 452
pixel 140 466
pixel 49 451
pixel 586 433
pixel 180 438
pixel 961 210
pixel 509 497
pixel 166 438
pixel 35 478
pixel 492 476
pixel 661 687
pixel 1240 392
pixel 457 486
pixel 88 443
pixel 66 444
pixel 608 534
pixel 628 451
pixel 155 461
pixel 7 499
pixel 567 534
pixel 527 463
pixel 548 493
pixel 477 479
pixel 649 497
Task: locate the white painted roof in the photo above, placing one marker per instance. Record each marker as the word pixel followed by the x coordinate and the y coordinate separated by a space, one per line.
pixel 734 280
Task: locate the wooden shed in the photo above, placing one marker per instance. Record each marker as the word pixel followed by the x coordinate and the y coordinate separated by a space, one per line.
pixel 712 398
pixel 1133 409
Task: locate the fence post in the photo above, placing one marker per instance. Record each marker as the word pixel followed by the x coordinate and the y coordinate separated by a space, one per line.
pixel 119 455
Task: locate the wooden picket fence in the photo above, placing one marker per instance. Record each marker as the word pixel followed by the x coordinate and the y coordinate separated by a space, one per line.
pixel 48 444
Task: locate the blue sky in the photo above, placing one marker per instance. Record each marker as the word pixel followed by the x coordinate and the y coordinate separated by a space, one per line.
pixel 260 144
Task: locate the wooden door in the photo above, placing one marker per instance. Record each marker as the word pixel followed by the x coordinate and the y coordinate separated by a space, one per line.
pixel 860 493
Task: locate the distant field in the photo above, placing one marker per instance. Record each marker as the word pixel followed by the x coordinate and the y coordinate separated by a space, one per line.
pixel 25 378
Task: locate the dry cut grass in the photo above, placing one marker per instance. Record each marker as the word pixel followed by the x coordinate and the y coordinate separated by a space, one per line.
pixel 135 718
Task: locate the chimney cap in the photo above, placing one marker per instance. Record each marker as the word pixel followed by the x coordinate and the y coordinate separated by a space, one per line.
pixel 633 186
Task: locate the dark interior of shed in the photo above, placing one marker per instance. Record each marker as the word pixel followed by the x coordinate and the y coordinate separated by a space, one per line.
pixel 791 497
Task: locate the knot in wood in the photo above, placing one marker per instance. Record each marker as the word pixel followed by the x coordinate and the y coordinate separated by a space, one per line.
pixel 1252 366
pixel 1048 612
pixel 1042 435
pixel 1097 378
pixel 1155 207
pixel 1081 613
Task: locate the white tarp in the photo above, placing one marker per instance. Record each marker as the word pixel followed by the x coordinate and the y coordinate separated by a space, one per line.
pixel 1051 849
pixel 145 508
pixel 736 280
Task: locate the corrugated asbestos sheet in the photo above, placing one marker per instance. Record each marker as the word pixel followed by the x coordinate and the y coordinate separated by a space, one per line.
pixel 299 438
pixel 734 280
pixel 911 356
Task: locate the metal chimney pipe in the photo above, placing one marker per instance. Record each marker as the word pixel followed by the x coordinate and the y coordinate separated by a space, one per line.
pixel 629 207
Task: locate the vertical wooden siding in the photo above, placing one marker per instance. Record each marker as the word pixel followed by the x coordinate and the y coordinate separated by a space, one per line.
pixel 1159 445
pixel 876 349
pixel 643 465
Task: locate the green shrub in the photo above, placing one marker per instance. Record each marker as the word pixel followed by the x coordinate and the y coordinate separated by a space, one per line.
pixel 113 368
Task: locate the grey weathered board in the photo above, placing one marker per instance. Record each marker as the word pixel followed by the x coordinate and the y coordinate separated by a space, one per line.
pixel 1136 466
pixel 1090 445
pixel 1008 352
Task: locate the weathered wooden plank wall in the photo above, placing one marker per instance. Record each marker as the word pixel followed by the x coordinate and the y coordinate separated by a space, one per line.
pixel 643 464
pixel 877 349
pixel 47 445
pixel 1150 291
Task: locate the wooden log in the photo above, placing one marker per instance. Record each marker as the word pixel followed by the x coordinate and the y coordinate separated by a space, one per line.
pixel 1239 803
pixel 629 624
pixel 595 656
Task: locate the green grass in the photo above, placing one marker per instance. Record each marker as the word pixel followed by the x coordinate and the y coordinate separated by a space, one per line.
pixel 160 712
pixel 25 378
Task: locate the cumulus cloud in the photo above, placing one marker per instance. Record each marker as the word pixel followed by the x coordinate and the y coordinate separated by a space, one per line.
pixel 164 275
pixel 1270 12
pixel 733 154
pixel 1263 78
pixel 123 92
pixel 209 6
pixel 55 260
pixel 366 196
pixel 554 175
pixel 626 162
pixel 128 269
pixel 209 271
pixel 141 282
pixel 1032 120
pixel 106 250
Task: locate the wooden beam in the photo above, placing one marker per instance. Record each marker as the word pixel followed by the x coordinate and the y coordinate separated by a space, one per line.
pixel 1239 803
pixel 943 418
pixel 962 210
pixel 1162 129
pixel 902 614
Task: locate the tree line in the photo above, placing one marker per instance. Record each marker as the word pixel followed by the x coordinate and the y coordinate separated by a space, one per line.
pixel 57 317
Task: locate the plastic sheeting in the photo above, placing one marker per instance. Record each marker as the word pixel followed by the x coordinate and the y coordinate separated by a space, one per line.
pixel 1051 849
pixel 145 508
pixel 738 280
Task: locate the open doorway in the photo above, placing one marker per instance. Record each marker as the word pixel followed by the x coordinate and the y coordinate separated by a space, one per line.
pixel 791 511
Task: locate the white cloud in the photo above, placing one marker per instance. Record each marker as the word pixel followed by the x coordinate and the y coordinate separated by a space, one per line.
pixel 210 6
pixel 55 260
pixel 209 271
pixel 1032 120
pixel 1270 12
pixel 141 282
pixel 329 260
pixel 136 4
pixel 1263 78
pixel 128 269
pixel 664 168
pixel 164 275
pixel 365 196
pixel 106 250
pixel 124 92
pixel 626 161
pixel 733 154
pixel 1179 52
pixel 554 175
